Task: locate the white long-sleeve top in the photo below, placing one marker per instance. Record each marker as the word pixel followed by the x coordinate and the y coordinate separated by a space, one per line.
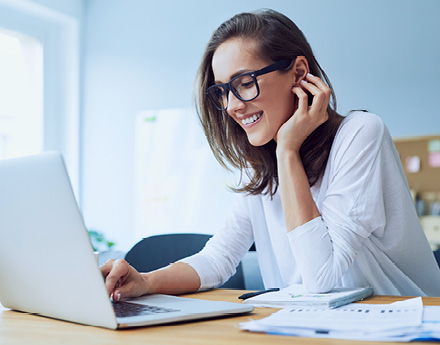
pixel 368 232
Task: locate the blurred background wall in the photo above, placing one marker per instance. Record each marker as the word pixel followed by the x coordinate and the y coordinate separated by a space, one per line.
pixel 141 55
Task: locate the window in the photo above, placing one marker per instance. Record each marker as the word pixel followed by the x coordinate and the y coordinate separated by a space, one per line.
pixel 21 90
pixel 59 41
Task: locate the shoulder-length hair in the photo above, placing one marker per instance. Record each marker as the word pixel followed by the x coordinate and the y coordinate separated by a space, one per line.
pixel 277 38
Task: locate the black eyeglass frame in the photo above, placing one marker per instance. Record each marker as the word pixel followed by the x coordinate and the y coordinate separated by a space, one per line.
pixel 277 66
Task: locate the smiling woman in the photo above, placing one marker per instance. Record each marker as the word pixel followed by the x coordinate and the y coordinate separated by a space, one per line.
pixel 323 196
pixel 238 47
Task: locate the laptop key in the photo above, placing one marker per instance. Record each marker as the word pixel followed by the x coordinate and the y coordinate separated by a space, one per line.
pixel 127 309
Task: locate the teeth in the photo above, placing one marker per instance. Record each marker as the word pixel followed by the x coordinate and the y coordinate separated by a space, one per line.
pixel 250 119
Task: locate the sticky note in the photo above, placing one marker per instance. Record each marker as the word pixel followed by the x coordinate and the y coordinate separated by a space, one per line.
pixel 434 159
pixel 434 145
pixel 412 164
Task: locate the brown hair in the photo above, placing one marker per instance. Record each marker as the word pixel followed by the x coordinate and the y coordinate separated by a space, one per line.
pixel 277 38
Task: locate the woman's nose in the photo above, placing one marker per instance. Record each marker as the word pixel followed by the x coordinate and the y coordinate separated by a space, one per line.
pixel 234 103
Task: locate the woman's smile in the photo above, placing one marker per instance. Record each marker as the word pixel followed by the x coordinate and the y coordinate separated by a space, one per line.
pixel 248 121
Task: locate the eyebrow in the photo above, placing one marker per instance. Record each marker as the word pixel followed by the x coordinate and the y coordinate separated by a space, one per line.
pixel 242 71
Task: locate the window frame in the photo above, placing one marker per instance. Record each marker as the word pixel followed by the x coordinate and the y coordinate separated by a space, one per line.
pixel 60 36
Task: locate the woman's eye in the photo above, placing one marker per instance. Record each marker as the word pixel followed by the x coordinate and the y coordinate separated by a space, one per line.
pixel 247 84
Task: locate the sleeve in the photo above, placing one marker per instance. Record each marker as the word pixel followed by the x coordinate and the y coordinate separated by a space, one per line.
pixel 352 207
pixel 218 260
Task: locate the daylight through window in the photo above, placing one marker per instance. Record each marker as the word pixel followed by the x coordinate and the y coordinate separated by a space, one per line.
pixel 21 94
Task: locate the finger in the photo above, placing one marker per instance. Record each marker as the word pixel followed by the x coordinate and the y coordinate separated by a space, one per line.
pixel 123 291
pixel 320 101
pixel 316 80
pixel 107 267
pixel 303 99
pixel 116 276
pixel 319 97
pixel 318 109
pixel 321 86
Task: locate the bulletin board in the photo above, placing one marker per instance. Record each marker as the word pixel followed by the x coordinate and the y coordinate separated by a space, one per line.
pixel 420 158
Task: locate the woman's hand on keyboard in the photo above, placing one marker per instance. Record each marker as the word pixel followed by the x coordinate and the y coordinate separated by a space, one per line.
pixel 122 280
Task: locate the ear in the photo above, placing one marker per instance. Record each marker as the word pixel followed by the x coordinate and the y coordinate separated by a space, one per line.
pixel 300 68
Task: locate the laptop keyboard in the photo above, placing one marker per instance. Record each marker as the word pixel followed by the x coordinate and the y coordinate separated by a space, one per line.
pixel 127 309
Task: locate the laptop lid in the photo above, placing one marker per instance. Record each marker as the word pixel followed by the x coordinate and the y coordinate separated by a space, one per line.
pixel 47 265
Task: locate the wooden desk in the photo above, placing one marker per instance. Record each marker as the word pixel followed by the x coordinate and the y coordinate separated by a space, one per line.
pixel 22 328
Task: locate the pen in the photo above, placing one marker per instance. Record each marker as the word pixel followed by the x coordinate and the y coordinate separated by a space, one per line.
pixel 256 293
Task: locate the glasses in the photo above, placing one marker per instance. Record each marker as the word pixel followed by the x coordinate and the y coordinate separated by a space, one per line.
pixel 243 86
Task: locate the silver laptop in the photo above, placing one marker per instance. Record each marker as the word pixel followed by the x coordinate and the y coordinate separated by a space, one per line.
pixel 47 264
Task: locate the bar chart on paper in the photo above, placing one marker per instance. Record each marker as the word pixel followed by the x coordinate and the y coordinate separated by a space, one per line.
pixel 401 321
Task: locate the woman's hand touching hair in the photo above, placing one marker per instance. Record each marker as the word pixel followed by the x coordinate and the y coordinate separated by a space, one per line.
pixel 298 204
pixel 307 117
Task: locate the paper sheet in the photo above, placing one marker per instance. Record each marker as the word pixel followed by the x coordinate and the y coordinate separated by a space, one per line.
pixel 380 322
pixel 295 295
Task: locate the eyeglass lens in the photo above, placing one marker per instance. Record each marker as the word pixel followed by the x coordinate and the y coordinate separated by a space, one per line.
pixel 243 87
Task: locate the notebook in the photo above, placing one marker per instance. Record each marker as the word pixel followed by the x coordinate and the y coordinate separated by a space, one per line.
pixel 47 264
pixel 296 295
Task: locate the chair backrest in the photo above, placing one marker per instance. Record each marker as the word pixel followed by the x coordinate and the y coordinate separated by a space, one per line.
pixel 437 256
pixel 158 251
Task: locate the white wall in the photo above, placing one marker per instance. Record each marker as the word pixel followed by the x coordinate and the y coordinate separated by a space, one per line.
pixel 71 8
pixel 139 55
pixel 381 55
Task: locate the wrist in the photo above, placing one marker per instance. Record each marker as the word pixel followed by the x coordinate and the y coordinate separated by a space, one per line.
pixel 147 285
pixel 290 144
pixel 284 153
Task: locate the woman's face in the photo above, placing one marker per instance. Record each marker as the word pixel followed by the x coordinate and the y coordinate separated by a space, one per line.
pixel 262 117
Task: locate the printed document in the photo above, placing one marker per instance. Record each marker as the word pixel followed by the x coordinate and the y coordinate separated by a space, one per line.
pixel 401 321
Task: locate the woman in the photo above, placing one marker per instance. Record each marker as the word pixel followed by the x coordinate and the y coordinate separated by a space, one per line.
pixel 324 197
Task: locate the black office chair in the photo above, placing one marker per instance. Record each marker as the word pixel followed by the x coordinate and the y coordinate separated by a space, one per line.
pixel 158 251
pixel 437 256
